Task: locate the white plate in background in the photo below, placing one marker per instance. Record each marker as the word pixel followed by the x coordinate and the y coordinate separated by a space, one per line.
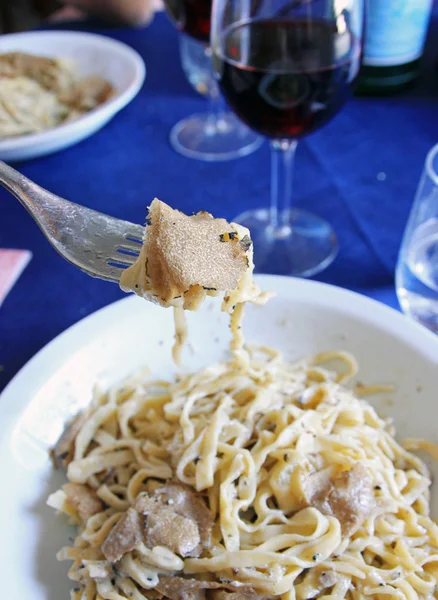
pixel 92 54
pixel 305 317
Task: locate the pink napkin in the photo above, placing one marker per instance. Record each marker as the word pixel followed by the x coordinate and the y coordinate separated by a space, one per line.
pixel 12 264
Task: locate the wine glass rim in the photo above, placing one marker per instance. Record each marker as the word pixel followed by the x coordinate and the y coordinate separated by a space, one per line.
pixel 430 164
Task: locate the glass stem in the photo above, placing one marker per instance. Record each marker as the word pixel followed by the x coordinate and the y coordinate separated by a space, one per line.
pixel 215 106
pixel 282 160
pixel 215 102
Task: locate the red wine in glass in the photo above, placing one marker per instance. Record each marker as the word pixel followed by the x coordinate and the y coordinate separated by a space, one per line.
pixel 286 67
pixel 192 17
pixel 285 77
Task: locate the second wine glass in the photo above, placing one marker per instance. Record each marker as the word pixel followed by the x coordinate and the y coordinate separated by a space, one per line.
pixel 286 67
pixel 217 134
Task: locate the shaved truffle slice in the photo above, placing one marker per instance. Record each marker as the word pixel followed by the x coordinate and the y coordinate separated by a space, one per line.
pixel 83 500
pixel 176 517
pixel 126 535
pixel 185 501
pixel 147 503
pixel 182 588
pixel 63 452
pixel 239 595
pixel 166 528
pixel 179 588
pixel 348 496
pixel 182 500
pixel 186 256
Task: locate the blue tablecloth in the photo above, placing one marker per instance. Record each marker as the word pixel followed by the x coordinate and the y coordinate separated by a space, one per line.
pixel 360 172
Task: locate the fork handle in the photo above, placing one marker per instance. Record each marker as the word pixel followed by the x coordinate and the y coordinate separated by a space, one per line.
pixel 46 208
pixel 34 198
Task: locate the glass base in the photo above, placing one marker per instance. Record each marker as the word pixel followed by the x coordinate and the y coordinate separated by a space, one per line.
pixel 204 137
pixel 304 247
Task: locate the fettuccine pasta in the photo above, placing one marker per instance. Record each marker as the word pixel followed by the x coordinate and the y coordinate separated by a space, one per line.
pixel 246 480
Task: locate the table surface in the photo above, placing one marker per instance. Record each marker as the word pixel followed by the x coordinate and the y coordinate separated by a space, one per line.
pixel 360 172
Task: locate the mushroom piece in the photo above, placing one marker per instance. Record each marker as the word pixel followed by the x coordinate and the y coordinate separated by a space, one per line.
pixel 164 527
pixel 239 595
pixel 173 516
pixel 176 517
pixel 347 496
pixel 183 588
pixel 63 452
pixel 83 499
pixel 125 536
pixel 186 257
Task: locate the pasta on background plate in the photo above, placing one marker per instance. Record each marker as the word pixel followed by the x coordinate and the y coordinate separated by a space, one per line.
pixel 39 93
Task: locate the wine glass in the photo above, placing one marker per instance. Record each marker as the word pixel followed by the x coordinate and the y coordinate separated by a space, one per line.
pixel 286 67
pixel 217 134
pixel 416 274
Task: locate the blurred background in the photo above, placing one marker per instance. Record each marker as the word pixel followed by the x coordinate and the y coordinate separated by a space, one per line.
pixel 363 137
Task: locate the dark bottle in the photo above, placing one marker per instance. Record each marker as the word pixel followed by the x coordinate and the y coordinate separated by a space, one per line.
pixel 394 41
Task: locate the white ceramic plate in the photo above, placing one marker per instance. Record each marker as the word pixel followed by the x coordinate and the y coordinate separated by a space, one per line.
pixel 305 317
pixel 93 55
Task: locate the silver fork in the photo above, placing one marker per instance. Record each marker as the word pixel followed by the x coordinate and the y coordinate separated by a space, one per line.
pixel 99 245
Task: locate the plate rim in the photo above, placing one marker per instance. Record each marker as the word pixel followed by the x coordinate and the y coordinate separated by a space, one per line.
pixel 37 369
pixel 39 575
pixel 105 110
